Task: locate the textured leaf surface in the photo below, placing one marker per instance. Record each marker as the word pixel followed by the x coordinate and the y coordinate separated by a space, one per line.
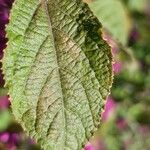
pixel 113 17
pixel 58 70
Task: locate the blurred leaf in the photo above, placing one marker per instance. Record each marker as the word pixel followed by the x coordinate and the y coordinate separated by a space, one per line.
pixel 114 17
pixel 135 111
pixel 138 5
pixel 5 119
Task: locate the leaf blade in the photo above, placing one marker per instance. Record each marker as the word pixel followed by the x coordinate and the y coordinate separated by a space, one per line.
pixel 54 67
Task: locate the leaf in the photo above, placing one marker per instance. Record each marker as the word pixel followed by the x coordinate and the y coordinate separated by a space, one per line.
pixel 139 5
pixel 58 70
pixel 5 119
pixel 114 17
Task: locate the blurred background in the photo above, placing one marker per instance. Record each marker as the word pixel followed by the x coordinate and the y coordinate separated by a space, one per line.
pixel 125 121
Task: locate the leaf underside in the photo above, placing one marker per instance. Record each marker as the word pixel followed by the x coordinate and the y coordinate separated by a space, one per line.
pixel 58 70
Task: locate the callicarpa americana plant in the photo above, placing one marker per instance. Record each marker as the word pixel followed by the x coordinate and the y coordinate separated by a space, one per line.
pixel 58 70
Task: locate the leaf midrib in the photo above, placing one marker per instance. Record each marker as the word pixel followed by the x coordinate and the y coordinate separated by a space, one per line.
pixel 45 7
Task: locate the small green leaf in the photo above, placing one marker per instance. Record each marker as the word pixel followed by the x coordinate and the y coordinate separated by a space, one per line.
pixel 58 70
pixel 113 17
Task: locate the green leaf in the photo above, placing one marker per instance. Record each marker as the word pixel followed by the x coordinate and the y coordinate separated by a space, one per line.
pixel 138 5
pixel 58 70
pixel 114 18
pixel 5 119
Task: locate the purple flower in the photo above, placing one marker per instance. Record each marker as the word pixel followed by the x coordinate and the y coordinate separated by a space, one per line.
pixel 121 123
pixel 4 137
pixel 134 35
pixel 14 139
pixel 117 66
pixel 4 102
pixel 10 140
pixel 89 146
pixel 96 144
pixel 109 108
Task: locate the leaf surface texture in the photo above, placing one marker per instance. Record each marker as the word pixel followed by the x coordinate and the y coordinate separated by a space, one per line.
pixel 58 70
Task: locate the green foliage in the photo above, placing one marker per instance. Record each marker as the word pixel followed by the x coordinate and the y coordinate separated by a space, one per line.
pixel 5 119
pixel 114 18
pixel 138 5
pixel 58 70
